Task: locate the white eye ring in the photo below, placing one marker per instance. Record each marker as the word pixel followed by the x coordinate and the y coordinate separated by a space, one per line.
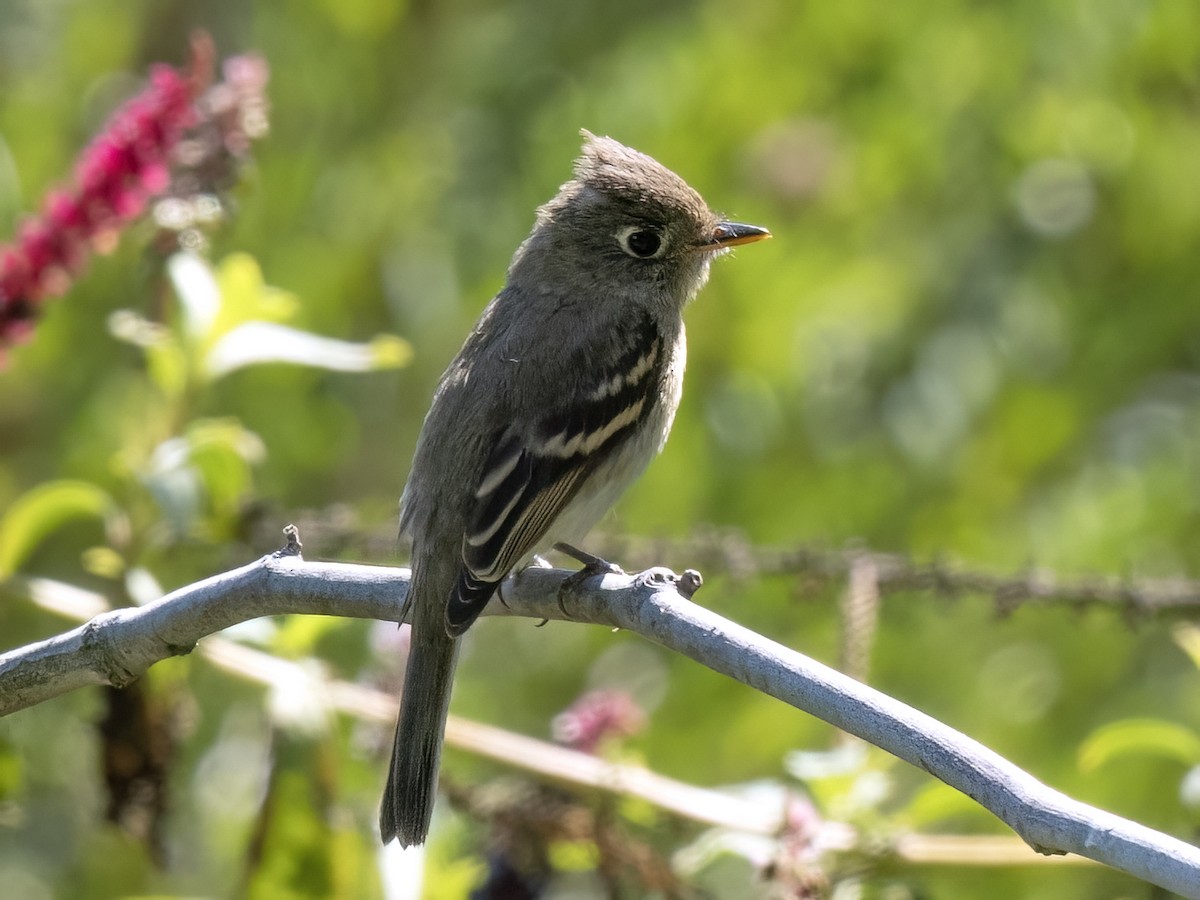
pixel 641 242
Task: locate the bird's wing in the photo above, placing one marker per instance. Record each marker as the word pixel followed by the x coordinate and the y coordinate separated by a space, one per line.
pixel 532 474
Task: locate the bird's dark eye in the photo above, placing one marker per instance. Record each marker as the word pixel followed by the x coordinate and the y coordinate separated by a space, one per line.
pixel 643 243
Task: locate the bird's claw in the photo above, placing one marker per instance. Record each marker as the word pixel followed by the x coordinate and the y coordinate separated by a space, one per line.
pixel 592 566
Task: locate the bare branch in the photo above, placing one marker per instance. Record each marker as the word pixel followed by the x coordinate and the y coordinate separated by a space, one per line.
pixel 117 646
pixel 728 551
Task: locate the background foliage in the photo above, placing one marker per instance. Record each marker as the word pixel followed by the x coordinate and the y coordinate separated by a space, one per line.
pixel 975 335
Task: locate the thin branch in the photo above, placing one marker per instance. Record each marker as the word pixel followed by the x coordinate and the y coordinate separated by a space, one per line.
pixel 117 646
pixel 728 551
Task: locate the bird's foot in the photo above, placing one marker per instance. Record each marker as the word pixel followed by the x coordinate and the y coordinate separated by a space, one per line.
pixel 592 566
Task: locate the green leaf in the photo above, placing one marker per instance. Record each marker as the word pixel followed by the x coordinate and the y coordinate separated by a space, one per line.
pixel 1187 636
pixel 233 319
pixel 198 293
pixel 1150 737
pixel 12 770
pixel 223 452
pixel 167 365
pixel 218 300
pixel 209 468
pixel 40 511
pixel 245 297
pixel 266 342
pixel 390 351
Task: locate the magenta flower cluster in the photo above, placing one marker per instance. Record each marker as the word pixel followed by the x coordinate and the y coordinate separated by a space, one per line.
pixel 126 165
pixel 598 716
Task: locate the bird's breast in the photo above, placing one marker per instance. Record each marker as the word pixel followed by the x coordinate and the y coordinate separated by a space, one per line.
pixel 629 460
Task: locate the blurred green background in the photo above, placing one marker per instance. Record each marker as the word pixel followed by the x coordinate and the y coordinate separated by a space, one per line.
pixel 975 336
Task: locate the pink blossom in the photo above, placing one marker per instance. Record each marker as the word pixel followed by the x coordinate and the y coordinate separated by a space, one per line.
pixel 129 163
pixel 596 716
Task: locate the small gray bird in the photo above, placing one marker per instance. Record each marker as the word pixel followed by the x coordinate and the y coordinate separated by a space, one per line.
pixel 558 400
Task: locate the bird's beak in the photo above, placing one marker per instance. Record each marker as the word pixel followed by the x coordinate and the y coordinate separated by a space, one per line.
pixel 731 234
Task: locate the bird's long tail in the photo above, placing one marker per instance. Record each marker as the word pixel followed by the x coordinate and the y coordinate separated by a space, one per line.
pixel 412 780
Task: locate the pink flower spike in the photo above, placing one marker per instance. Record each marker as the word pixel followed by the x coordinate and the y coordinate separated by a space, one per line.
pixel 104 162
pixel 38 245
pixel 246 72
pixel 14 276
pixel 135 158
pixel 54 281
pixel 129 203
pixel 155 178
pixel 65 212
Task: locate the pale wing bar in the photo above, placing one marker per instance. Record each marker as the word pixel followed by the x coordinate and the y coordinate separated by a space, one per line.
pixel 530 479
